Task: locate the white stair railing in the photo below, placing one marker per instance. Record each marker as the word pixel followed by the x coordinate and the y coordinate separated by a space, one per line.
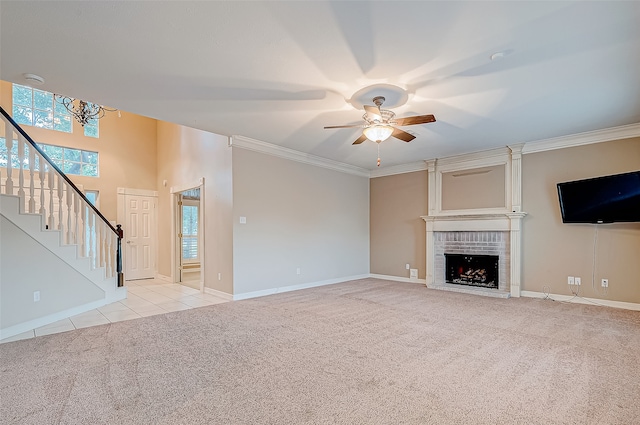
pixel 47 191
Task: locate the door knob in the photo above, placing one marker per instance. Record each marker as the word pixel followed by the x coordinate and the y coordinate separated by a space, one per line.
pixel 128 241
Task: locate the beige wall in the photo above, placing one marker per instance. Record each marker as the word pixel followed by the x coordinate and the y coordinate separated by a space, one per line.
pixel 127 148
pixel 553 250
pixel 298 216
pixel 184 156
pixel 21 275
pixel 397 231
pixel 474 188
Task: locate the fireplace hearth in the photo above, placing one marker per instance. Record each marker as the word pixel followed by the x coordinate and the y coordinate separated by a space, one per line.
pixel 472 270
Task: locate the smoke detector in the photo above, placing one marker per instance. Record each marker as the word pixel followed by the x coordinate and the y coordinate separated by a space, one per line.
pixel 34 79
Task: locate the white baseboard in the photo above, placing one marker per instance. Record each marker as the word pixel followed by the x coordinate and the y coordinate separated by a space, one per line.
pixel 398 278
pixel 218 294
pixel 164 278
pixel 272 291
pixel 45 320
pixel 582 300
pixel 118 294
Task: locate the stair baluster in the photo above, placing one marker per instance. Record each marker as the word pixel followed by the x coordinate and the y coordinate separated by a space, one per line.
pixel 32 166
pixel 60 210
pixel 69 206
pixel 107 268
pixel 41 172
pixel 92 239
pixel 97 244
pixel 103 245
pixel 84 210
pixel 51 183
pixel 20 171
pixel 76 204
pixel 8 142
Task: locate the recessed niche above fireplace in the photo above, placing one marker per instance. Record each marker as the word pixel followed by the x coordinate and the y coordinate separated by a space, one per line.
pixel 472 270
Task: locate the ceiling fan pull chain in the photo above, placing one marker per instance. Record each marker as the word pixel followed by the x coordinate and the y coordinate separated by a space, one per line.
pixel 378 154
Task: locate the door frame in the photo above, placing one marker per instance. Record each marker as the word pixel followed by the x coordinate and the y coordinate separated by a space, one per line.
pixel 175 248
pixel 122 219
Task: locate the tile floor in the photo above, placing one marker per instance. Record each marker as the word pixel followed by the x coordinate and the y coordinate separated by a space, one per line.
pixel 144 298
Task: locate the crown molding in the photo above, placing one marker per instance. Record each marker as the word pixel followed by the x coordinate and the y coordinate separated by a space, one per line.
pixel 247 143
pixel 399 169
pixel 469 160
pixel 472 160
pixel 580 139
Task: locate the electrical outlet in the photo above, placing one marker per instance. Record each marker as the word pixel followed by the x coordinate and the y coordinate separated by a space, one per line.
pixel 36 296
pixel 605 283
pixel 578 282
pixel 407 266
pixel 571 280
pixel 298 270
pixel 219 276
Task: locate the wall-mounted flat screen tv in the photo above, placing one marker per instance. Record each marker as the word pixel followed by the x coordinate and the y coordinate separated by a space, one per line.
pixel 607 199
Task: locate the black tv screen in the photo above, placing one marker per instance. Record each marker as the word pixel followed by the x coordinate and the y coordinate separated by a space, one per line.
pixel 606 199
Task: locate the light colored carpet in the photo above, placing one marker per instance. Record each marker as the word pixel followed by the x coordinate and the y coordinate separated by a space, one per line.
pixel 362 352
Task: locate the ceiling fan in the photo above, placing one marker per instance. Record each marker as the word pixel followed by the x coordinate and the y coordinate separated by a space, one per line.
pixel 380 124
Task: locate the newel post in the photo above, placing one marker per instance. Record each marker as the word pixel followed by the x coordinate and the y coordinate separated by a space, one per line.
pixel 119 256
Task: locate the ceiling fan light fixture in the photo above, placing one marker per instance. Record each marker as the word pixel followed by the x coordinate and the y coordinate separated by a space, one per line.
pixel 378 132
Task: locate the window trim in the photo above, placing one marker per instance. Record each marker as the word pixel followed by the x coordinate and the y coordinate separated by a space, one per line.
pixel 60 163
pixel 196 204
pixel 55 109
pixel 57 162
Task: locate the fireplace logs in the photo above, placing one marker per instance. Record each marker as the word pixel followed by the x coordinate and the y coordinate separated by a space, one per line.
pixel 472 270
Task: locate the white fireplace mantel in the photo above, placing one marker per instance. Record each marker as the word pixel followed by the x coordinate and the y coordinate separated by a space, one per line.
pixel 500 222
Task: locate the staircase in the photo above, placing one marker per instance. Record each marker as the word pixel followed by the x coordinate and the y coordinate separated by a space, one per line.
pixel 59 256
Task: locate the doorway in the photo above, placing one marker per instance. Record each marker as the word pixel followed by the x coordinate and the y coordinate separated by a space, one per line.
pixel 137 213
pixel 188 234
pixel 189 237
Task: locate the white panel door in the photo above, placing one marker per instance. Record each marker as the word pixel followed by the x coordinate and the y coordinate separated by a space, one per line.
pixel 139 237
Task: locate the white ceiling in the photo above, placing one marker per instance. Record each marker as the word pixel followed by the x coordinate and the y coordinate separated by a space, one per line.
pixel 281 71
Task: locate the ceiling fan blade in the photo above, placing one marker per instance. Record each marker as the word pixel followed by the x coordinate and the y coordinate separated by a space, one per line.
pixel 373 112
pixel 344 126
pixel 418 119
pixel 402 135
pixel 360 139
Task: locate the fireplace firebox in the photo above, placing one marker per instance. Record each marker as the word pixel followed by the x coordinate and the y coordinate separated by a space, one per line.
pixel 472 270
